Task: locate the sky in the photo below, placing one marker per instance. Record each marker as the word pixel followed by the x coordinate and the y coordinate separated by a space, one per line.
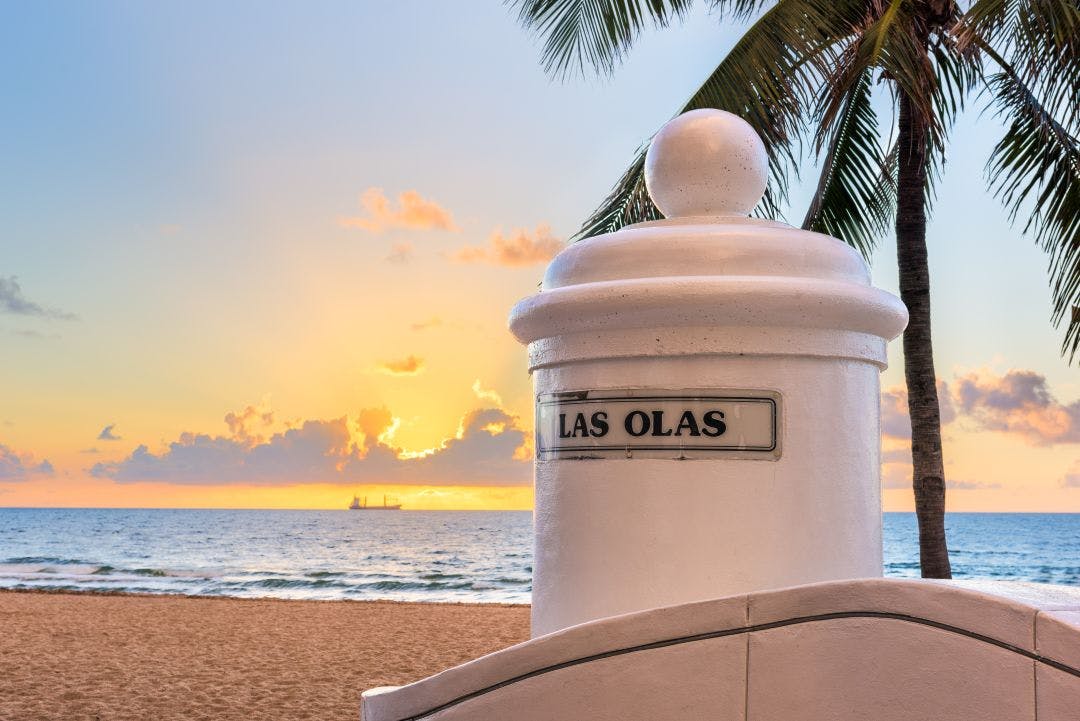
pixel 261 255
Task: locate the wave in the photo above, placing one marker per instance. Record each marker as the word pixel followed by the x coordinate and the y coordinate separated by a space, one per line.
pixel 418 586
pixel 45 560
pixel 74 568
pixel 292 583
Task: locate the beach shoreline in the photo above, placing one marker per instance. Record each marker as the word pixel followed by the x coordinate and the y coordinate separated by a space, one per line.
pixel 113 655
pixel 144 594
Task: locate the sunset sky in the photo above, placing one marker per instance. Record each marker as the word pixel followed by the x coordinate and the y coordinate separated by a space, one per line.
pixel 262 255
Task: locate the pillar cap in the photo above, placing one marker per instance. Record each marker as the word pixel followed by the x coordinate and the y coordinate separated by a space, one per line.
pixel 707 279
pixel 706 162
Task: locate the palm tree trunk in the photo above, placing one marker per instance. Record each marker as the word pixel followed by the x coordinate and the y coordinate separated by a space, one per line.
pixel 929 471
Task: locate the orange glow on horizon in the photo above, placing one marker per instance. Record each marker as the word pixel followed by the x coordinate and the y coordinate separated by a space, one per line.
pixel 98 493
pixel 69 492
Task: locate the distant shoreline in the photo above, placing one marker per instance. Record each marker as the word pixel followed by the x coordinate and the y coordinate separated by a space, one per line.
pixel 226 508
pixel 450 510
pixel 257 599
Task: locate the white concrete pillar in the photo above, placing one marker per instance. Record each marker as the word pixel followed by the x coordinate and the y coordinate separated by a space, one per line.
pixel 708 420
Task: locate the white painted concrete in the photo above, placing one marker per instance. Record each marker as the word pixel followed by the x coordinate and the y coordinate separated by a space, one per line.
pixel 713 301
pixel 883 649
pixel 706 162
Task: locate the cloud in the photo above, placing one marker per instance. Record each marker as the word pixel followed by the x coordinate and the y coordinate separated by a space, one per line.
pixel 1071 479
pixel 340 450
pixel 407 366
pixel 21 466
pixel 1018 402
pixel 13 301
pixel 969 485
pixel 896 471
pixel 897 474
pixel 35 334
pixel 896 455
pixel 413 213
pixel 895 422
pixel 432 322
pixel 244 424
pixel 516 250
pixel 400 253
pixel 376 425
pixel 486 394
pixel 107 434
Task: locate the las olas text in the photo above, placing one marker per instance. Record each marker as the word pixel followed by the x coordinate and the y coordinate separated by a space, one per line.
pixel 640 423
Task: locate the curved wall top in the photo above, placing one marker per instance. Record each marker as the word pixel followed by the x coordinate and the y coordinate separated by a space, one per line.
pixel 886 649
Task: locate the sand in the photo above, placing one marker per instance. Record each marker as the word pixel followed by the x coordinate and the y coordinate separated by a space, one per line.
pixel 100 658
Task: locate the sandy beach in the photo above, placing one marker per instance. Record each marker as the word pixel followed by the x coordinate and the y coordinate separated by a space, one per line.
pixel 100 657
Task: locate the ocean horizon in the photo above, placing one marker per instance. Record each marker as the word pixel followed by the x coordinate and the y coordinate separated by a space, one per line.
pixel 436 556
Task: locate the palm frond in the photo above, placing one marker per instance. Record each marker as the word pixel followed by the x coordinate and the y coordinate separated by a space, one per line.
pixel 923 59
pixel 932 70
pixel 1041 41
pixel 891 42
pixel 856 192
pixel 628 203
pixel 769 78
pixel 1046 55
pixel 1036 165
pixel 956 71
pixel 597 33
pixel 987 21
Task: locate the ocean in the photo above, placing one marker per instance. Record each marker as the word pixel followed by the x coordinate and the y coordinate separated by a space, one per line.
pixel 474 556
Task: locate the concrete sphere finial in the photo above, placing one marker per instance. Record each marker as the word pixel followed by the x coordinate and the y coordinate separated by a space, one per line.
pixel 706 162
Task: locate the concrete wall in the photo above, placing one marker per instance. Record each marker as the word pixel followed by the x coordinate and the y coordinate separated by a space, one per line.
pixel 887 650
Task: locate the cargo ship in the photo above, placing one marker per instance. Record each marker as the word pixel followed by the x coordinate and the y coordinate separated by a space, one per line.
pixel 358 505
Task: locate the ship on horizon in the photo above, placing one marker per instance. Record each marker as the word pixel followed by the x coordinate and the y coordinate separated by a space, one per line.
pixel 358 505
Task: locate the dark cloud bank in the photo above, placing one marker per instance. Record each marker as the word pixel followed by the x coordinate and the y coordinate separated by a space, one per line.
pixel 1018 402
pixel 20 467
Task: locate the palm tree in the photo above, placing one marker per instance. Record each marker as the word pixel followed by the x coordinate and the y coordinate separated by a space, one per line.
pixel 803 75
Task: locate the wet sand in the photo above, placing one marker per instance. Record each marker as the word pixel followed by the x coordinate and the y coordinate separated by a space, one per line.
pixel 100 657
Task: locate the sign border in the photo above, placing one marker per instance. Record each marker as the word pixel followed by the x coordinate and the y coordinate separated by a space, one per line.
pixel 578 397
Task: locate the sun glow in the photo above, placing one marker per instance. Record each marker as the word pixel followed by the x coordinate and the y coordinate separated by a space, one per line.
pixel 100 493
